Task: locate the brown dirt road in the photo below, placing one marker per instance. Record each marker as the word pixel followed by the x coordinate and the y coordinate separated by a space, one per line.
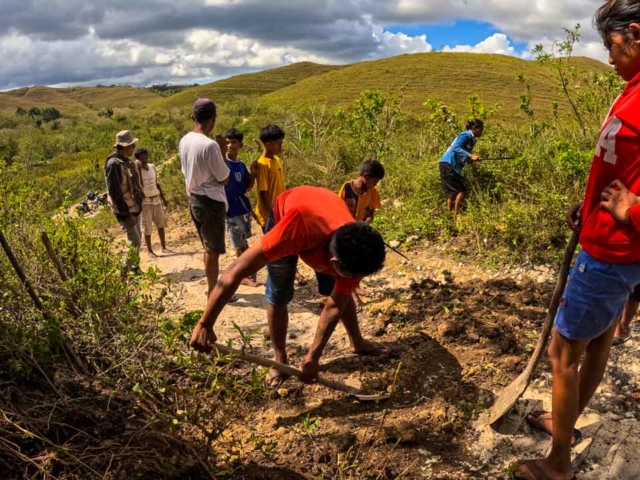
pixel 462 333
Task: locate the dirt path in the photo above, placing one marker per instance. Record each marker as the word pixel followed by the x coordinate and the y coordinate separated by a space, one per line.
pixel 463 332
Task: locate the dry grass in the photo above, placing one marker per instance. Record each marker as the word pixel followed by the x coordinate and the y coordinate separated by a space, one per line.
pixel 250 84
pixel 448 77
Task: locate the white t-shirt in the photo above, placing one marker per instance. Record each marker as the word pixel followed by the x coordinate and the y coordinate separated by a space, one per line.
pixel 149 178
pixel 203 167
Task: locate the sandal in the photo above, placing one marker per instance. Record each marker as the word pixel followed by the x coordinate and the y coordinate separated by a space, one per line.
pixel 617 340
pixel 533 419
pixel 534 472
pixel 279 377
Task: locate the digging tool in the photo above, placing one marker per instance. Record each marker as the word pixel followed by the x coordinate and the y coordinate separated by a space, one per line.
pixel 288 370
pixel 396 251
pixel 513 392
pixel 497 159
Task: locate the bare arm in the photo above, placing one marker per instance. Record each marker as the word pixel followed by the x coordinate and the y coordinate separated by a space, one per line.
pixel 249 263
pixel 329 318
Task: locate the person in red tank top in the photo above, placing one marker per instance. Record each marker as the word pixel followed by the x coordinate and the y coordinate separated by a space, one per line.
pixel 607 269
pixel 313 224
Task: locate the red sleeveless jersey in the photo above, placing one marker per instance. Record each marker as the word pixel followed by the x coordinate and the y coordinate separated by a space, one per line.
pixel 617 157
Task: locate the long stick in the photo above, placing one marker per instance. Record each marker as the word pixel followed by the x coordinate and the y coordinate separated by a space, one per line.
pixel 514 391
pixel 497 159
pixel 23 278
pixel 66 345
pixel 289 370
pixel 53 256
pixel 397 252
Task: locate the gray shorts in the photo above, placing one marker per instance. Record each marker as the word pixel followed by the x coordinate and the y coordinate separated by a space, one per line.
pixel 209 218
pixel 239 230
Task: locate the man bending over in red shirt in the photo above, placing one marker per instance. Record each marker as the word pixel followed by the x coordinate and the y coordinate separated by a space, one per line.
pixel 316 225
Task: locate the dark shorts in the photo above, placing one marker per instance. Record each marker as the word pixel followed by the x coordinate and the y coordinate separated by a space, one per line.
pixel 452 183
pixel 595 297
pixel 209 217
pixel 281 276
pixel 635 295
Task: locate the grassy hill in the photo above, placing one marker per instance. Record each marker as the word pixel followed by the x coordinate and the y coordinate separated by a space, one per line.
pixel 76 100
pixel 249 84
pixel 449 77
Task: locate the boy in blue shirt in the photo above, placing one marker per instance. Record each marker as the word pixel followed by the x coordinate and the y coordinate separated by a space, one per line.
pixel 239 212
pixel 454 160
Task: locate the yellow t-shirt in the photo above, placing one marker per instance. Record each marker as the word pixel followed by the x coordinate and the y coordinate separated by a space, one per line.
pixel 270 179
pixel 360 205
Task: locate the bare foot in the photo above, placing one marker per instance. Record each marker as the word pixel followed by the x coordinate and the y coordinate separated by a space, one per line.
pixel 365 347
pixel 542 470
pixel 152 255
pixel 300 279
pixel 166 251
pixel 249 282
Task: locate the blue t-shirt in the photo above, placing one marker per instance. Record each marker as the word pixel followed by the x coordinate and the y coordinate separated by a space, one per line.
pixel 457 155
pixel 236 189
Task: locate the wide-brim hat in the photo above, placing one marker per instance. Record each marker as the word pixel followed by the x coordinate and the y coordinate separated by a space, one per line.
pixel 125 139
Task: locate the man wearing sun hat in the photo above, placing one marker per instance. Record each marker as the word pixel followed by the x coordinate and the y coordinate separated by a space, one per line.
pixel 125 193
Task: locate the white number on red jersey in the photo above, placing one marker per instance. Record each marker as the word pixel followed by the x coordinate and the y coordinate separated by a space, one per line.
pixel 607 144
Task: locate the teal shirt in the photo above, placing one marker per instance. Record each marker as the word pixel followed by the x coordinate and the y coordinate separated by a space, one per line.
pixel 457 155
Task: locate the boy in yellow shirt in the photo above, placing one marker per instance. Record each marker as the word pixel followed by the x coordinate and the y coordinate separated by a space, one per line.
pixel 269 172
pixel 363 199
pixel 361 195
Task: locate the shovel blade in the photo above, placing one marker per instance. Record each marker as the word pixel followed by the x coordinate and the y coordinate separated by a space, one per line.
pixel 371 398
pixel 508 397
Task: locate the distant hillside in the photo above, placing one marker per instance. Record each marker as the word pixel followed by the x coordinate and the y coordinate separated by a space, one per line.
pixel 249 84
pixel 449 77
pixel 77 100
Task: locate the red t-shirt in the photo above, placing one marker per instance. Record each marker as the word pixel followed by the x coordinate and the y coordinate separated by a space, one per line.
pixel 306 219
pixel 617 157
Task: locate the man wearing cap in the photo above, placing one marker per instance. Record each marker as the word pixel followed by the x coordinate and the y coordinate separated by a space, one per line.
pixel 125 194
pixel 206 173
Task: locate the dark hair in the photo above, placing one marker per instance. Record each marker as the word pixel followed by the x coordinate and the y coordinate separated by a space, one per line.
pixel 204 110
pixel 615 16
pixel 475 124
pixel 271 133
pixel 140 152
pixel 234 134
pixel 372 169
pixel 358 248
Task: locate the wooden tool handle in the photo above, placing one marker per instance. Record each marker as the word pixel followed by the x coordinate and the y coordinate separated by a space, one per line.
pixel 563 275
pixel 286 369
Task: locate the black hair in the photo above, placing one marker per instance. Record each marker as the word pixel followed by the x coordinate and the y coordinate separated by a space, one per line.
pixel 203 115
pixel 140 152
pixel 358 249
pixel 234 134
pixel 271 133
pixel 372 169
pixel 475 124
pixel 615 16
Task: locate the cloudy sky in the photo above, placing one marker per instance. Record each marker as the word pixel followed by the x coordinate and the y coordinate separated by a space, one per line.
pixel 141 42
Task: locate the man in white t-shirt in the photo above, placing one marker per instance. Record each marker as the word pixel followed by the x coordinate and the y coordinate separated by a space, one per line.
pixel 206 173
pixel 154 202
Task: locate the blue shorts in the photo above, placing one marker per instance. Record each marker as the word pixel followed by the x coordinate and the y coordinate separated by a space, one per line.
pixel 281 277
pixel 239 230
pixel 595 297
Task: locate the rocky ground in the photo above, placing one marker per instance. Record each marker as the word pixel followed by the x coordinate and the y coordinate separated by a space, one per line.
pixel 462 332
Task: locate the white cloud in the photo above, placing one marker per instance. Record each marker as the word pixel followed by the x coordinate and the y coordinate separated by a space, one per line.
pixel 498 43
pixel 150 41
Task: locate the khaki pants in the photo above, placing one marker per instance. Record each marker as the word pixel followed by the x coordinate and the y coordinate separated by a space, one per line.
pixel 152 213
